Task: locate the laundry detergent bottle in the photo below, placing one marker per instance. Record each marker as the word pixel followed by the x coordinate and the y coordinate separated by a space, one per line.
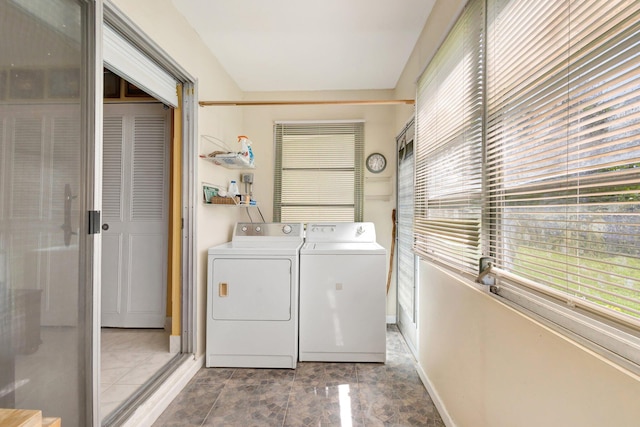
pixel 245 149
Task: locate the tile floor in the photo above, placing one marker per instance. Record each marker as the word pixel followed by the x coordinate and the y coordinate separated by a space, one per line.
pixel 314 394
pixel 129 357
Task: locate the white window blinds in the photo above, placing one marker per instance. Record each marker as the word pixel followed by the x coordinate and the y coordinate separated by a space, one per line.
pixel 563 146
pixel 318 171
pixel 449 127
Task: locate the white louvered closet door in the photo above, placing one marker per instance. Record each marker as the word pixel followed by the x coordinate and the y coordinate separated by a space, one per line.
pixel 135 215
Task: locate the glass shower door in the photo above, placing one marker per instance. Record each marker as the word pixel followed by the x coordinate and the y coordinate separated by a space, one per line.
pixel 45 335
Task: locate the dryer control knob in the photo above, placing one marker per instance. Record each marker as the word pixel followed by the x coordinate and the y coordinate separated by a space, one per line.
pixel 258 229
pixel 244 228
pixel 286 229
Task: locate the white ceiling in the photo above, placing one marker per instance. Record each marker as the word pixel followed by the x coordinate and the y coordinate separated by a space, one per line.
pixel 300 45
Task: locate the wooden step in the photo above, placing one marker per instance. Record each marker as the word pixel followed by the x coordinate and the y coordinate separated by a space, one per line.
pixel 51 422
pixel 26 418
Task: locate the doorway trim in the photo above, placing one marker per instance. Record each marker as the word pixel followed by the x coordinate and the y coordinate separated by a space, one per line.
pixel 120 22
pixel 187 95
pixel 407 321
pixel 91 261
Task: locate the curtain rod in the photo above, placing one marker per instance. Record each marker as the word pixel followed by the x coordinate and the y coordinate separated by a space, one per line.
pixel 263 103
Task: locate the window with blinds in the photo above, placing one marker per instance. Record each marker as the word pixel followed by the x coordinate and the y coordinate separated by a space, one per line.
pixel 449 126
pixel 318 171
pixel 563 148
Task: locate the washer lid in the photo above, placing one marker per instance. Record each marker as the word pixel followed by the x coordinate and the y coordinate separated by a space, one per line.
pixel 277 248
pixel 333 248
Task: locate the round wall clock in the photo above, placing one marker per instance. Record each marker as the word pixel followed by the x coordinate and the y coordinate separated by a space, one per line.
pixel 376 162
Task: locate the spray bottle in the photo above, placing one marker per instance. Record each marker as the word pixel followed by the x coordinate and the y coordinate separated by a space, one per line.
pixel 246 150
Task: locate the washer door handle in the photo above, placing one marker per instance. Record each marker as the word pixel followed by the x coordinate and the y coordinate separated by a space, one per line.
pixel 223 290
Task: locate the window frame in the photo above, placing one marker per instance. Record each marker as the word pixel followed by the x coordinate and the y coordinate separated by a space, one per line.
pixel 603 331
pixel 610 334
pixel 319 128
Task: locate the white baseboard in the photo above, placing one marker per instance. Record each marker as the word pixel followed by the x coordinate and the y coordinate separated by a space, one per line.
pixel 391 319
pixel 442 410
pixel 147 413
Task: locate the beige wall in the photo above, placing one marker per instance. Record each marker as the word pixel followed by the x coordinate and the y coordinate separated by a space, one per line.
pixel 492 366
pixel 487 365
pixel 379 136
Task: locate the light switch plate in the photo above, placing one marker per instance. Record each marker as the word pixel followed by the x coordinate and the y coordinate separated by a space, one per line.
pixel 247 178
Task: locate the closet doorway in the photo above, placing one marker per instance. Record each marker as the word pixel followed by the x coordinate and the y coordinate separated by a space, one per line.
pixel 138 72
pixel 135 317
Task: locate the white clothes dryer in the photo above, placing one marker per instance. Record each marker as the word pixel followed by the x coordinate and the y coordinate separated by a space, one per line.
pixel 252 297
pixel 342 294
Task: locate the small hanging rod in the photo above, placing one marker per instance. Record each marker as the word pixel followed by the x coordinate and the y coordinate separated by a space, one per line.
pixel 264 103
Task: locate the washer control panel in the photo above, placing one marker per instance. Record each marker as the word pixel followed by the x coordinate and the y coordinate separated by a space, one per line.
pixel 341 232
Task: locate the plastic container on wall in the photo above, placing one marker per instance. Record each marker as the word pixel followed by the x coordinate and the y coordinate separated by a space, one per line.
pixel 245 149
pixel 233 190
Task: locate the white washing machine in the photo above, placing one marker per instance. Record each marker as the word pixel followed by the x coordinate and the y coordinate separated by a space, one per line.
pixel 342 294
pixel 252 297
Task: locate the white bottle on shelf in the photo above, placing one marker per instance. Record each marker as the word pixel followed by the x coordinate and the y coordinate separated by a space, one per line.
pixel 233 190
